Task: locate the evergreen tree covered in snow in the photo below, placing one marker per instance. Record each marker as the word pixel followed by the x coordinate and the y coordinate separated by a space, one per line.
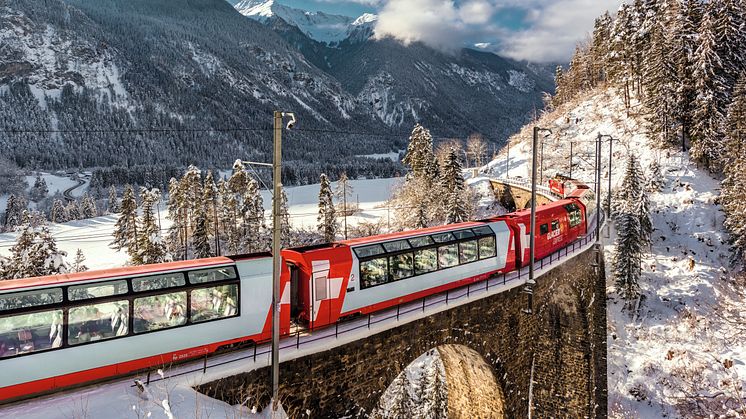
pixel 150 246
pixel 176 238
pixel 73 211
pixel 229 219
pixel 420 156
pixel 58 213
pixel 327 218
pixel 79 262
pixel 35 253
pixel 453 183
pixel 125 229
pixel 88 207
pixel 656 180
pixel 40 190
pixel 210 198
pixel 16 205
pixel 113 203
pixel 734 191
pixel 255 230
pixel 201 237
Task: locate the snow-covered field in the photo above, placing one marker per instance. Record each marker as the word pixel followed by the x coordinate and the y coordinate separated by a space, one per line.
pixel 93 236
pixel 683 354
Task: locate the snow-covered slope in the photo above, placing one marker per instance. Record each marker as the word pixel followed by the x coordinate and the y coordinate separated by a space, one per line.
pixel 683 354
pixel 323 27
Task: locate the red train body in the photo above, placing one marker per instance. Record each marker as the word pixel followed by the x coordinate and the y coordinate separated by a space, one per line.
pixel 226 301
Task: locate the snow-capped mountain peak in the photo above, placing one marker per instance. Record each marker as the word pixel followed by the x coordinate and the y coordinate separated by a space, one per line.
pixel 322 27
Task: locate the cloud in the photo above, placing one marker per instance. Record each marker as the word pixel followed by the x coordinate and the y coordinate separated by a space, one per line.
pixel 548 29
pixel 554 29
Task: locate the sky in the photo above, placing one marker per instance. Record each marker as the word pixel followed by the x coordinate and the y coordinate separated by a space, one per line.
pixel 534 30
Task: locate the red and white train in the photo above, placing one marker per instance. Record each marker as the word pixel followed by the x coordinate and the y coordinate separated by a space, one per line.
pixel 67 330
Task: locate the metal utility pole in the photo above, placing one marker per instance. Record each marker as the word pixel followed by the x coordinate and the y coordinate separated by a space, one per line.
pixel 276 256
pixel 598 187
pixel 611 157
pixel 344 200
pixel 541 173
pixel 532 231
pixel 570 159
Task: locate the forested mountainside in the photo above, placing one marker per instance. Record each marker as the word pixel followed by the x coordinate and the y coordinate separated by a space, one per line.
pixel 208 79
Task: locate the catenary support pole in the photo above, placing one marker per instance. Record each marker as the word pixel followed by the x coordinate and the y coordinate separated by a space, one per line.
pixel 276 258
pixel 570 159
pixel 598 187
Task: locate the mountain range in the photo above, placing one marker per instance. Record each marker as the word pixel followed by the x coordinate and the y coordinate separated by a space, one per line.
pixel 87 81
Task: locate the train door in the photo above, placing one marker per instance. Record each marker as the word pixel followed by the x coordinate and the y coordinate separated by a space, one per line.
pixel 295 304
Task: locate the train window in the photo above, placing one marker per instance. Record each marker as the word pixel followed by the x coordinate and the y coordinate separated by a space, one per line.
pixel 483 231
pixel 368 251
pixel 400 266
pixel 463 234
pixel 396 246
pixel 149 283
pixel 374 272
pixel 487 247
pixel 159 311
pixel 212 275
pixel 555 225
pixel 443 237
pixel 99 289
pixel 213 303
pixel 544 229
pixel 93 322
pixel 425 260
pixel 30 299
pixel 448 256
pixel 468 251
pixel 421 241
pixel 32 332
pixel 574 215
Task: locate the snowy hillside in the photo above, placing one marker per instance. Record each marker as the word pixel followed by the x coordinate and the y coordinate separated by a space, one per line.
pixel 323 27
pixel 684 354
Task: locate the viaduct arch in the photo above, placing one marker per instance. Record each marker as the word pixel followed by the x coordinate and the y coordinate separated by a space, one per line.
pixel 563 342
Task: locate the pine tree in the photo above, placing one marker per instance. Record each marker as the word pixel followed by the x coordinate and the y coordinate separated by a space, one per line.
pixel 254 227
pixel 210 205
pixel 684 43
pixel 73 211
pixel 733 190
pixel 627 258
pixel 40 190
pixel 58 214
pixel 327 218
pixel 655 177
pixel 176 238
pixel 150 247
pixel 229 218
pixel 660 88
pixel 343 193
pixel 14 211
pixel 88 207
pixel 79 262
pixel 420 157
pixel 560 96
pixel 707 136
pixel 201 237
pixel 113 201
pixel 35 253
pixel 125 229
pixel 453 184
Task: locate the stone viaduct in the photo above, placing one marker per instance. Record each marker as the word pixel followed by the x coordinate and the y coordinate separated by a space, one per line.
pixel 490 349
pixel 514 197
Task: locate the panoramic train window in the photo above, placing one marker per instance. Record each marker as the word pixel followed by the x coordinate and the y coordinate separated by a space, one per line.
pixel 468 251
pixel 159 312
pixel 401 266
pixel 483 231
pixel 544 229
pixel 425 260
pixel 213 303
pixel 487 247
pixel 30 299
pixel 212 275
pixel 463 234
pixel 448 256
pixel 99 289
pixel 95 322
pixel 374 272
pixel 367 251
pixel 30 332
pixel 421 241
pixel 158 282
pixel 396 246
pixel 555 225
pixel 443 237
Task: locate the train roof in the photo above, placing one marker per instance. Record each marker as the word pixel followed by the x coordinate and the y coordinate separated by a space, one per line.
pixel 62 279
pixel 527 212
pixel 409 233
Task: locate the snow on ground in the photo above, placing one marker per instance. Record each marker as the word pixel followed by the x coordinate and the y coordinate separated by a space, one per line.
pixel 93 236
pixel 681 355
pixel 393 156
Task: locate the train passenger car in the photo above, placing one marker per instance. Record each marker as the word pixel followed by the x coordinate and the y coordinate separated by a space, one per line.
pixel 65 330
pixel 557 224
pixel 365 275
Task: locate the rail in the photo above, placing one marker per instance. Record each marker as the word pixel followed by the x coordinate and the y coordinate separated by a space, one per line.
pixel 403 313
